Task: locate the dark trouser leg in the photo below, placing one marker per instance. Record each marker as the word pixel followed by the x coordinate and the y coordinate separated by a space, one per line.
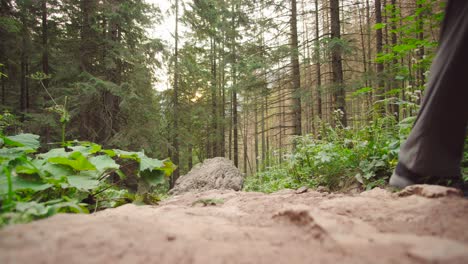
pixel 433 151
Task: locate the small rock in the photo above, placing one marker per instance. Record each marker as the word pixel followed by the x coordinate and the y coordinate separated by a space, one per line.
pixel 322 189
pixel 302 189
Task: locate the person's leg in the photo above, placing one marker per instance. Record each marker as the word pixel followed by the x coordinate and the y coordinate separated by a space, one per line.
pixel 434 148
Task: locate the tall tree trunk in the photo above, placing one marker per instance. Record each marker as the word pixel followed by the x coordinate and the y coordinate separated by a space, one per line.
pixel 235 123
pixel 244 140
pixel 264 150
pixel 112 101
pixel 256 134
pixel 214 108
pixel 85 34
pixel 4 12
pixel 230 127
pixel 296 74
pixel 395 109
pixel 379 49
pixel 3 89
pixel 190 158
pixel 318 71
pixel 337 66
pixel 45 46
pixel 24 63
pixel 175 99
pixel 222 107
pixel 363 104
pixel 421 50
pixel 369 52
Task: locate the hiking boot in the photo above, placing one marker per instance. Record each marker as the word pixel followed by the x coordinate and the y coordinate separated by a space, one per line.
pixel 403 177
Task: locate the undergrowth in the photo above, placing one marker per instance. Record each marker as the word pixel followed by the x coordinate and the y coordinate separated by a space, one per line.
pixel 79 177
pixel 337 158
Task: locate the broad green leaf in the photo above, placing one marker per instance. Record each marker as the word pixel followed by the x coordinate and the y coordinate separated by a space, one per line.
pixel 90 174
pixel 66 207
pixel 57 171
pixel 23 140
pixel 56 152
pixel 150 163
pixel 76 160
pixel 82 182
pixel 153 177
pixel 22 184
pixel 32 208
pixel 87 148
pixel 109 152
pixel 9 154
pixel 128 154
pixel 168 168
pixel 26 168
pixel 103 163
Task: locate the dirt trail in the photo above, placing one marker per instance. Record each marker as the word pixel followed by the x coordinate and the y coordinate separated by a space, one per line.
pixel 284 227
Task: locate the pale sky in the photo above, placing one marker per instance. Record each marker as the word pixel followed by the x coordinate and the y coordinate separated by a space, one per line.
pixel 164 31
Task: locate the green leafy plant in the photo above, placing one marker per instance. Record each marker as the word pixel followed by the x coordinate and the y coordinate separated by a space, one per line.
pixel 70 179
pixel 339 158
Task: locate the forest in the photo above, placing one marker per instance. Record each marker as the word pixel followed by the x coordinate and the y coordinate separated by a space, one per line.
pixel 295 93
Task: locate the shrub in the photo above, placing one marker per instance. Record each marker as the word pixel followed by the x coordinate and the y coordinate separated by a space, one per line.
pixel 337 158
pixel 77 178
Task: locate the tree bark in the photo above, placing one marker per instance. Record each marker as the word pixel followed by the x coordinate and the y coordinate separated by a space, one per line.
pixel 395 109
pixel 45 46
pixel 24 62
pixel 379 49
pixel 214 108
pixel 175 128
pixel 296 74
pixel 235 123
pixel 85 35
pixel 318 77
pixel 337 65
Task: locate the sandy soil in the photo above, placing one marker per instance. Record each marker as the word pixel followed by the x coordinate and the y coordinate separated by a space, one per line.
pixel 421 225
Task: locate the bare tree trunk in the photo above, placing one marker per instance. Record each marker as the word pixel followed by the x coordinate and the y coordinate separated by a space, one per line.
pixel 230 127
pixel 24 62
pixel 421 51
pixel 190 158
pixel 85 56
pixel 337 66
pixel 317 62
pixel 222 107
pixel 235 123
pixel 379 49
pixel 256 134
pixel 234 94
pixel 394 107
pixel 264 149
pixel 296 74
pixel 214 108
pixel 369 50
pixel 175 128
pixel 244 140
pixel 45 46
